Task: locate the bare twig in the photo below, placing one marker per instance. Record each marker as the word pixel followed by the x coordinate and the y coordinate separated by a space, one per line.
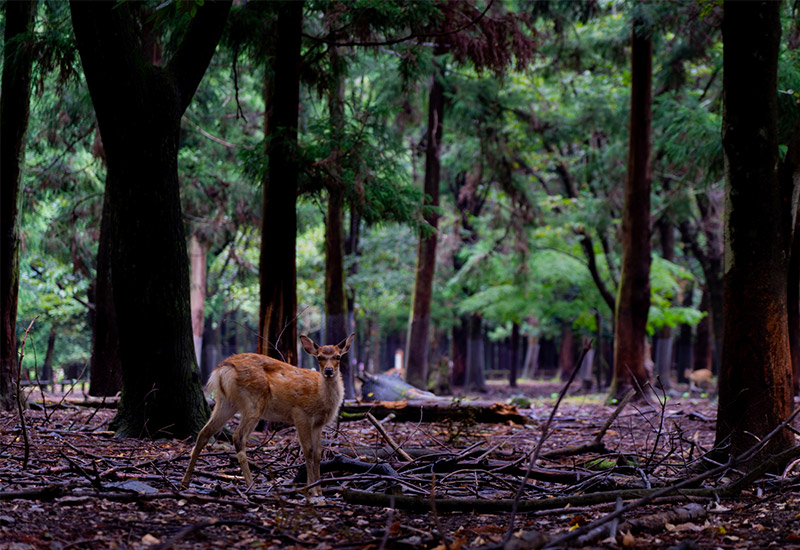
pixel 545 434
pixel 388 438
pixel 18 396
pixel 735 486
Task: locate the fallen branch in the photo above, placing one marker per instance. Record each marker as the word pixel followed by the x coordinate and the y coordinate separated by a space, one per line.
pixel 728 490
pixel 596 445
pixel 388 438
pixel 439 411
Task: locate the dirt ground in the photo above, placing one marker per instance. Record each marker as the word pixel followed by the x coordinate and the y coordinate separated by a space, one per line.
pixel 81 487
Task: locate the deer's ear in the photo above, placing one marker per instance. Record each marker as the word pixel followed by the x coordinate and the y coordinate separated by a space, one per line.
pixel 309 345
pixel 344 345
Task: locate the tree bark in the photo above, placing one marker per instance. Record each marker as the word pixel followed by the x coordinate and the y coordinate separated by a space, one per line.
pixel 515 349
pixel 277 269
pixel 335 297
pixel 14 110
pixel 633 299
pixel 139 107
pixel 197 292
pixel 476 363
pixel 105 371
pixel 417 345
pixel 755 384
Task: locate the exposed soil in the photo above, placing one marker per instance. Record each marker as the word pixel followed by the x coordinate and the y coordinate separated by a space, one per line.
pixel 83 488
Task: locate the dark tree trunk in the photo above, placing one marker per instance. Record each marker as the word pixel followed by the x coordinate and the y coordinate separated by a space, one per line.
pixel 14 110
pixel 47 365
pixel 459 352
pixel 105 372
pixel 476 366
pixel 702 342
pixel 790 170
pixel 633 300
pixel 417 345
pixel 515 349
pixel 793 305
pixel 139 107
pixel 351 249
pixel 566 357
pixel 335 297
pixel 664 338
pixel 755 384
pixel 278 272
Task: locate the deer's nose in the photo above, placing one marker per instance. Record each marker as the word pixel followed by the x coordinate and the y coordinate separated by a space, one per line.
pixel 328 371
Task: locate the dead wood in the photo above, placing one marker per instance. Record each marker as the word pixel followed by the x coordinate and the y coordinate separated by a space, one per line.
pixel 388 438
pixel 439 411
pixel 343 464
pixel 596 445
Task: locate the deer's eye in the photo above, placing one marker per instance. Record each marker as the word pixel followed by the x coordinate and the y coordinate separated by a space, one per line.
pixel 338 357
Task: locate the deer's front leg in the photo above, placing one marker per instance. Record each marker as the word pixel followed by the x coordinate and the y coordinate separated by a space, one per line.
pixel 304 434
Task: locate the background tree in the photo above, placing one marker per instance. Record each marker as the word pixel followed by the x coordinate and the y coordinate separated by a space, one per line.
pixel 633 298
pixel 141 102
pixel 14 112
pixel 755 386
pixel 278 272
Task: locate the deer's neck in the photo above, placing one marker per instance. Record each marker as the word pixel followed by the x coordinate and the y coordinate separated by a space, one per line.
pixel 333 390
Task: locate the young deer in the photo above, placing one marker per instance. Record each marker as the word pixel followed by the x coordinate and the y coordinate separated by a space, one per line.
pixel 260 387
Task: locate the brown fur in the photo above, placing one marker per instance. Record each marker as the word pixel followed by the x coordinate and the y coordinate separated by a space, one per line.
pixel 260 387
pixel 700 380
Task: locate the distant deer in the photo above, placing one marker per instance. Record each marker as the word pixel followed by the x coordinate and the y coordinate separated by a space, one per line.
pixel 260 387
pixel 700 380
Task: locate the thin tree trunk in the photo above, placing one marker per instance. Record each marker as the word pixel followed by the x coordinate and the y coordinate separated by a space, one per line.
pixel 755 384
pixel 515 345
pixel 566 357
pixel 47 366
pixel 476 367
pixel 702 343
pixel 335 297
pixel 197 292
pixel 277 269
pixel 14 111
pixel 633 301
pixel 417 346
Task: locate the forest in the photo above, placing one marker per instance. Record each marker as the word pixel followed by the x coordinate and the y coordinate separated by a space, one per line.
pixel 552 248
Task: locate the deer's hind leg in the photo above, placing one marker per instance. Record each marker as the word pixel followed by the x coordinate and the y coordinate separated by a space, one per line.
pixel 223 411
pixel 247 424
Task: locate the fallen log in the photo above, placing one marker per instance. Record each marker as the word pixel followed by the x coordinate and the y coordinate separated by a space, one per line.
pixel 385 387
pixel 488 412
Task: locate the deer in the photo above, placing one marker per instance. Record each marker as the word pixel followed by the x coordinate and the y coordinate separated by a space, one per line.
pixel 699 380
pixel 260 387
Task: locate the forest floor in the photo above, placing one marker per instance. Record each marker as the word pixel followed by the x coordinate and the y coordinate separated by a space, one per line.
pixel 81 487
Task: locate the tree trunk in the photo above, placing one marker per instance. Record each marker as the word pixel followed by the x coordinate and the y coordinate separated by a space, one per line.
pixel 14 110
pixel 793 305
pixel 702 343
pixel 197 292
pixel 476 376
pixel 47 366
pixel 755 384
pixel 515 345
pixel 633 300
pixel 420 318
pixel 277 269
pixel 105 372
pixel 459 337
pixel 664 338
pixel 566 357
pixel 335 297
pixel 139 107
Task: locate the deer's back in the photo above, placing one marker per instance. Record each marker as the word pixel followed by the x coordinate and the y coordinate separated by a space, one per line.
pixel 275 390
